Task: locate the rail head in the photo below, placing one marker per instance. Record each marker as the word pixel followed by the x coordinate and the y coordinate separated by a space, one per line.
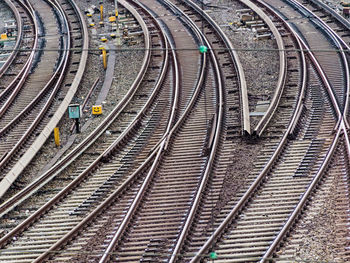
pixel 335 39
pixel 299 208
pixel 241 203
pixel 264 121
pixel 70 157
pixel 346 24
pixel 19 39
pixel 245 117
pixel 156 154
pixel 258 181
pixel 44 135
pixel 38 182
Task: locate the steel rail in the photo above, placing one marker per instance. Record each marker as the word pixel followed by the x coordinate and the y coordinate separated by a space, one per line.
pixel 161 146
pixel 296 212
pixel 154 154
pixel 300 103
pixel 347 141
pixel 19 39
pixel 240 204
pixel 126 220
pixel 254 186
pixel 214 146
pixel 22 75
pixel 38 183
pixel 55 80
pixel 50 174
pixel 196 92
pixel 108 252
pixel 339 42
pixel 245 117
pixel 96 211
pixel 264 121
pixel 325 80
pixel 291 220
pixel 88 141
pixel 26 158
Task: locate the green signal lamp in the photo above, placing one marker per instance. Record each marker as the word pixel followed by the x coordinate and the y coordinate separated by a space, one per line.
pixel 203 49
pixel 213 255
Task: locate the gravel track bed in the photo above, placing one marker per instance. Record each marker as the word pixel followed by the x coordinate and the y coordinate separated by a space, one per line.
pixel 5 14
pixel 321 233
pixel 261 71
pixel 125 74
pixel 259 60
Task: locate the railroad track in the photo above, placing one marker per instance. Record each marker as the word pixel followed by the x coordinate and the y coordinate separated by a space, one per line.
pixel 140 119
pixel 326 214
pixel 189 102
pixel 17 61
pixel 177 136
pixel 254 230
pixel 48 85
pixel 339 28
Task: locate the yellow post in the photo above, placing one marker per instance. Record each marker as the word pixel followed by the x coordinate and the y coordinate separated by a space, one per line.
pixel 101 11
pixel 57 136
pixel 104 56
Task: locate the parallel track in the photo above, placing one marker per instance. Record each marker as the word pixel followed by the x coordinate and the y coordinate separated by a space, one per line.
pixel 19 57
pixel 28 112
pixel 242 241
pixel 136 136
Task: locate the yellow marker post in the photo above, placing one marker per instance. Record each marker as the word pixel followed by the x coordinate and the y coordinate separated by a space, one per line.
pixel 101 11
pixel 97 110
pixel 104 57
pixel 57 136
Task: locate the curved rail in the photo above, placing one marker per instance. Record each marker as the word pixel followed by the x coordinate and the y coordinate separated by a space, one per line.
pixel 10 58
pixel 340 43
pixel 33 187
pixel 330 91
pixel 245 118
pixel 44 135
pixel 303 200
pixel 241 203
pixel 316 179
pixel 161 146
pixel 110 199
pixel 89 140
pixel 55 80
pixel 19 80
pixel 217 129
pixel 261 126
